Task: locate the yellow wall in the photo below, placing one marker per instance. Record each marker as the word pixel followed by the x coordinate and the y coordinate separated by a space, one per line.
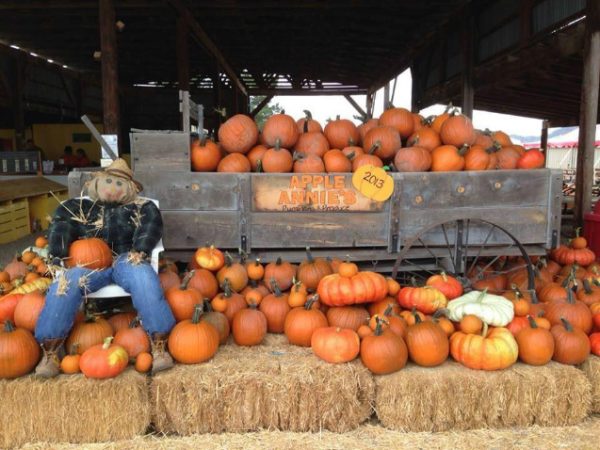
pixel 53 138
pixel 8 134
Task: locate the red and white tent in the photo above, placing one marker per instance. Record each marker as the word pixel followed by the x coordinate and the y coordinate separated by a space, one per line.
pixel 567 140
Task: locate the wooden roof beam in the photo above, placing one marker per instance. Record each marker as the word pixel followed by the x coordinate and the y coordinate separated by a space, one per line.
pixel 199 33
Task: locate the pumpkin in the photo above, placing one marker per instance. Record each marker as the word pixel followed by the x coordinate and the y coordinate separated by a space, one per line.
pixel 565 255
pixel 228 302
pixel 391 321
pixel 385 140
pixel 483 138
pixel 183 299
pixel 313 143
pixel 364 287
pixel 427 343
pixel 426 138
pixel 28 310
pixel 446 284
pixel 552 292
pixel 70 363
pixel 335 345
pixel 595 310
pixel 352 151
pixel 249 326
pixel 410 317
pixel 412 159
pixel 587 293
pixel 307 124
pixel 217 320
pixel 444 323
pixel 366 159
pixel 426 299
pixel 507 158
pixel 576 312
pixel 255 156
pixel 399 118
pixel 501 138
pixel 41 242
pixel 16 269
pixel 448 158
pixel 364 330
pixel 571 344
pixel 167 264
pixel 275 308
pixel 280 130
pixel 531 159
pixel 234 163
pixel 238 134
pixel 255 270
pixel 341 133
pixel 205 155
pixel 381 306
pixel 311 270
pixel 458 131
pixel 365 127
pixel 536 345
pixel 19 352
pixel 8 304
pixel 470 324
pixel 168 279
pixel 133 339
pixel 307 164
pixel 578 242
pixel 595 343
pixel 419 122
pixel 193 341
pixel 282 271
pixel 205 282
pixel 347 316
pixel 438 121
pixel 336 162
pixel 93 331
pixel 210 258
pixel 121 321
pixel 234 272
pixel 277 160
pixel 4 276
pixel 383 352
pixel 480 158
pixel 493 350
pixel 301 322
pixel 91 253
pixel 143 362
pixel 491 309
pixel 104 360
pixel 517 324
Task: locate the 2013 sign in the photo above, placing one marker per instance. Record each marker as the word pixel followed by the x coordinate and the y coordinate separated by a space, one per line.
pixel 373 182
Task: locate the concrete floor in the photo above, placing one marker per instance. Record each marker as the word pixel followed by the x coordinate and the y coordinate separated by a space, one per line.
pixel 7 251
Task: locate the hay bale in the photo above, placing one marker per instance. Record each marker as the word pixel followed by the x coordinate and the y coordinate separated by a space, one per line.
pixel 272 386
pixel 591 369
pixel 452 397
pixel 73 409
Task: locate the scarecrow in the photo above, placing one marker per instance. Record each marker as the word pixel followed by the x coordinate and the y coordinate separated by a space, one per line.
pixel 132 227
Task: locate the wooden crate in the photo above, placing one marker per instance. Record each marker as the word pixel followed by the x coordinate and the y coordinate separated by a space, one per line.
pixel 14 220
pixel 41 207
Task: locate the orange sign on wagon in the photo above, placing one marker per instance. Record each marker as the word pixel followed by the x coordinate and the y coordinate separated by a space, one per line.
pixel 309 193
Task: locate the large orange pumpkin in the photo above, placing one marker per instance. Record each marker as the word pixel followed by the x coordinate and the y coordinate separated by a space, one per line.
pixel 205 155
pixel 507 158
pixel 277 160
pixel 28 310
pixel 479 158
pixel 347 316
pixel 255 156
pixel 425 137
pixel 426 299
pixel 93 331
pixel 493 350
pixel 91 253
pixel 312 143
pixel 193 341
pixel 571 344
pixel 385 141
pixel 427 343
pixel 249 326
pixel 133 339
pixel 341 132
pixel 311 270
pixel 412 159
pixel 19 352
pixel 301 323
pixel 364 287
pixel 457 130
pixel 336 161
pixel 205 282
pixel 307 124
pixel 399 118
pixel 335 345
pixel 383 352
pixel 575 311
pixel 183 299
pixel 234 163
pixel 365 127
pixel 280 128
pixel 238 134
pixel 448 158
pixel 308 164
pixel 275 307
pixel 282 271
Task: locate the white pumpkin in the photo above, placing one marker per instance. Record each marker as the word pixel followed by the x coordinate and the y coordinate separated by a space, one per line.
pixel 491 309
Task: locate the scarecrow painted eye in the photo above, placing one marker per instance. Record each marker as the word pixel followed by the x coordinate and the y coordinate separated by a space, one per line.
pixel 119 183
pixel 108 180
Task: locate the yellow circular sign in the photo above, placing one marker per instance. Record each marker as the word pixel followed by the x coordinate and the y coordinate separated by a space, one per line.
pixel 373 182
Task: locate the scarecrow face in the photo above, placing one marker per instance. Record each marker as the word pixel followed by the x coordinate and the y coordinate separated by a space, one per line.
pixel 111 189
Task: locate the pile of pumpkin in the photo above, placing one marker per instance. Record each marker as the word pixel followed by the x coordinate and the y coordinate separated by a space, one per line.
pixel 399 139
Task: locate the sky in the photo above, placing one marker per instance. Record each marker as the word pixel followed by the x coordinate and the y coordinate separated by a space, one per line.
pixel 324 107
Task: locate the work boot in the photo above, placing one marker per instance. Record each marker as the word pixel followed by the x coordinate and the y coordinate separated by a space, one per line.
pixel 49 366
pixel 161 359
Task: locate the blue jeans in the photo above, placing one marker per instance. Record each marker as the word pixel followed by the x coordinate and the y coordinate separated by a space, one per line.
pixel 140 280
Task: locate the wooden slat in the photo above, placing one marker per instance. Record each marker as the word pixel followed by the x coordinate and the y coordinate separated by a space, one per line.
pixel 160 151
pixel 317 229
pixel 27 187
pixel 188 230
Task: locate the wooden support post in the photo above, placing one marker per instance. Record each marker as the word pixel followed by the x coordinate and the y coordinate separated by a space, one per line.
pixel 467 50
pixel 110 75
pixel 356 106
pixel 588 112
pixel 369 105
pixel 544 141
pixel 386 96
pixel 19 102
pixel 261 105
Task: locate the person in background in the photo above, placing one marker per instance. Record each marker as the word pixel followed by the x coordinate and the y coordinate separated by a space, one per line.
pixel 68 157
pixel 81 159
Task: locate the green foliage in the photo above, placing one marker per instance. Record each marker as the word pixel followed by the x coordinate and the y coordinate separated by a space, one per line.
pixel 268 110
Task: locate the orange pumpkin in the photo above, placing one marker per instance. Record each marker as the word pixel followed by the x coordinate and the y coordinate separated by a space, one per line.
pixel 280 130
pixel 275 307
pixel 308 164
pixel 91 253
pixel 493 350
pixel 312 143
pixel 531 159
pixel 507 158
pixel 307 124
pixel 277 159
pixel 536 345
pixel 383 352
pixel 364 287
pixel 571 344
pixel 427 343
pixel 238 134
pixel 347 316
pixel 413 159
pixel 312 270
pixel 104 360
pixel 93 331
pixel 336 161
pixel 133 339
pixel 301 323
pixel 19 352
pixel 399 118
pixel 335 345
pixel 143 362
pixel 458 131
pixel 426 299
pixel 233 271
pixel 193 341
pixel 479 158
pixel 205 155
pixel 365 127
pixel 255 156
pixel 249 326
pixel 501 138
pixel 448 158
pixel 425 137
pixel 183 299
pixel 210 258
pixel 234 163
pixel 385 141
pixel 28 310
pixel 205 282
pixel 341 132
pixel 282 271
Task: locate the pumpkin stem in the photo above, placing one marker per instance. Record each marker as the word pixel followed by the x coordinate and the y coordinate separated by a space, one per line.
pixel 135 322
pixel 228 259
pixel 570 298
pixel 305 127
pixel 379 326
pixel 186 280
pixel 202 136
pixel 464 149
pixel 577 232
pixel 491 149
pixel 484 331
pixel 74 348
pixel 388 310
pixel 416 316
pixel 586 286
pixel 351 155
pixel 207 305
pixel 226 288
pixel 309 255
pixel 442 312
pixel 107 342
pixel 243 255
pixel 374 148
pixel 9 327
pixel 197 313
pixel 516 290
pixel 449 106
pixel 310 301
pixel 259 168
pixel 413 281
pixel 482 295
pixel 279 261
pixel 308 114
pixel 534 298
pixel 277 144
pixel 337 117
pixel 275 287
pixel 444 276
pixel 566 324
pixel 532 322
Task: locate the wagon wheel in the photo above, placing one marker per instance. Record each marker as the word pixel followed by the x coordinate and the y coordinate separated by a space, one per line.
pixel 463 248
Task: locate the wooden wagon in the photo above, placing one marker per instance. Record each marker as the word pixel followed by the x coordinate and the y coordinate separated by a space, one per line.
pixel 432 220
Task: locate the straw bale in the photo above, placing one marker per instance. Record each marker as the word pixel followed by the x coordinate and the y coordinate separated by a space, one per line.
pixel 453 397
pixel 271 386
pixel 72 408
pixel 366 437
pixel 591 369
